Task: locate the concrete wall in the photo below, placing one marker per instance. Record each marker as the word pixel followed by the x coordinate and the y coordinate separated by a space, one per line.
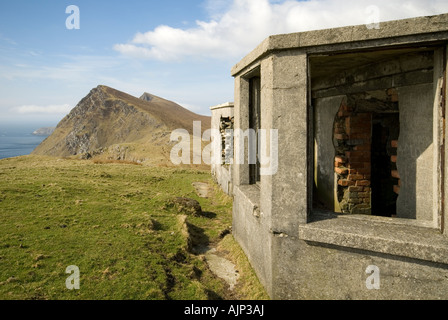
pixel 222 173
pixel 255 223
pixel 287 200
pixel 415 153
pixel 335 273
pixel 250 228
pixel 251 224
pixel 297 251
pixel 325 110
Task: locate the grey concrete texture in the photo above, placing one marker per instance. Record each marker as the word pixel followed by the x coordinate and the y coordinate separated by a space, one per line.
pixel 324 175
pixel 297 252
pixel 250 229
pixel 352 34
pixel 416 153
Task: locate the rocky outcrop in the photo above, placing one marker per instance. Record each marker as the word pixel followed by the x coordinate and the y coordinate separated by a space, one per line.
pixel 44 131
pixel 147 97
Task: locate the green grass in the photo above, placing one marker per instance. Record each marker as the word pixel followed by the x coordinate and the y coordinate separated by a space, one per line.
pixel 111 220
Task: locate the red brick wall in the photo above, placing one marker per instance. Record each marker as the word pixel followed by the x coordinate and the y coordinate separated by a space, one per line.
pixel 353 138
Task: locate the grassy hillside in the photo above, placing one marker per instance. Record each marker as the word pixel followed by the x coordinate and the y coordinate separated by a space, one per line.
pixel 117 223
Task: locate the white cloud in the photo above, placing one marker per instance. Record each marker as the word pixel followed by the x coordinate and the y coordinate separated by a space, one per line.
pixel 8 40
pixel 243 24
pixel 52 109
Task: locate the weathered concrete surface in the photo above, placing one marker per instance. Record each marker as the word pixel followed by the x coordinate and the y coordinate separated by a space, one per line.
pixel 335 273
pixel 324 176
pixel 336 253
pixel 295 255
pixel 250 229
pixel 378 235
pixel 241 113
pixel 444 162
pixel 289 204
pixel 283 195
pixel 410 30
pixel 415 149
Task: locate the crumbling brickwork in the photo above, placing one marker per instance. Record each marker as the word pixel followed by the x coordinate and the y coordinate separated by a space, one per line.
pixel 393 159
pixel 352 136
pixel 226 130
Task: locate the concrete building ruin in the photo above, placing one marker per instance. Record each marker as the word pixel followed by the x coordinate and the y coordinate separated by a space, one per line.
pixel 223 120
pixel 361 180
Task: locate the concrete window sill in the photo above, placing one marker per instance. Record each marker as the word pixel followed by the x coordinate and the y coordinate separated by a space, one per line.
pixel 251 192
pixel 379 235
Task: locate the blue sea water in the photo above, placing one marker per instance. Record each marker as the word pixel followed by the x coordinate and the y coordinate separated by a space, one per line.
pixel 18 140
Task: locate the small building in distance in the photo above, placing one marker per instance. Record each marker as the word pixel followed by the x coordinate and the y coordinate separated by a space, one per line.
pixel 222 120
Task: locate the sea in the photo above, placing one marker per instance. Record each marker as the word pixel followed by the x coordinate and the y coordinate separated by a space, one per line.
pixel 18 139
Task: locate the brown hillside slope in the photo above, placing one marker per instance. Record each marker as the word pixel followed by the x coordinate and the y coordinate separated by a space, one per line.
pixel 110 124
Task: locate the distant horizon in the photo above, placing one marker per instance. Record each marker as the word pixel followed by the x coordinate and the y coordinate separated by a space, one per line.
pixel 18 140
pixel 14 123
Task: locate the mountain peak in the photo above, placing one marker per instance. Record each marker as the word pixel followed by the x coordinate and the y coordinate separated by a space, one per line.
pixel 147 96
pixel 114 124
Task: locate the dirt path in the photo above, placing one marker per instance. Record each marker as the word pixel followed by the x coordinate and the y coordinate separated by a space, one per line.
pixel 220 266
pixel 202 189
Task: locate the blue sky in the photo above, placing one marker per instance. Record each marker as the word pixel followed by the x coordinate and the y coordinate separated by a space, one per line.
pixel 45 65
pixel 180 50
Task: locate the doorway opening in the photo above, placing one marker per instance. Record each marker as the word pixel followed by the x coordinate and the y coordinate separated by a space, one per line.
pixel 385 181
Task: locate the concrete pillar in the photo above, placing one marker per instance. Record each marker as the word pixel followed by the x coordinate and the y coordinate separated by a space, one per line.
pixel 445 212
pixel 286 197
pixel 415 153
pixel 439 68
pixel 287 94
pixel 241 114
pixel 325 179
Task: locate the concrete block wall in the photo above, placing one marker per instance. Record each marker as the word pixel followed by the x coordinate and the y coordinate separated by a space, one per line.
pixel 300 251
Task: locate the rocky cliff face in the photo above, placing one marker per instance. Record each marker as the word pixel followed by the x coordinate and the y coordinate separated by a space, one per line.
pixel 111 124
